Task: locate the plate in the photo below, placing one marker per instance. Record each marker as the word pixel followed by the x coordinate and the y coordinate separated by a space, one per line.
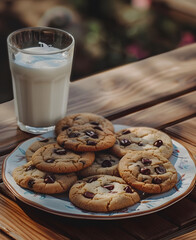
pixel 59 204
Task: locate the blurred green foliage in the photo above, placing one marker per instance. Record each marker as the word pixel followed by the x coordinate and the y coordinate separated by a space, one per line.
pixel 116 33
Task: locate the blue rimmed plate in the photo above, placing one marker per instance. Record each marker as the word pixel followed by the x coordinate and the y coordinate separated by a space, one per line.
pixel 60 205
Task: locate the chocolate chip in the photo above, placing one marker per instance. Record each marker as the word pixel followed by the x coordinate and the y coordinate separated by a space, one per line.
pixel 83 162
pixel 158 143
pixel 144 179
pixel 144 195
pixel 31 182
pixel 50 160
pixel 90 180
pixel 109 186
pixel 60 151
pixel 94 123
pixel 89 195
pixel 140 144
pixel 127 189
pixel 73 134
pixel 146 161
pixel 44 140
pixel 91 143
pixel 125 142
pixel 64 127
pixel 77 118
pixel 126 132
pixel 157 180
pixel 98 128
pixel 63 144
pixel 92 134
pixel 106 163
pixel 111 160
pixel 31 167
pixel 145 171
pixel 160 169
pixel 49 178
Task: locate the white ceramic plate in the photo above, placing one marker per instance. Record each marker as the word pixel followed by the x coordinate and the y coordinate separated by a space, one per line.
pixel 60 204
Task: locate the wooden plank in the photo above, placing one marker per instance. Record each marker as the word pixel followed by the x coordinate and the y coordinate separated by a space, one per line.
pixel 8 115
pixel 149 227
pixel 184 130
pixel 181 213
pixel 77 228
pixel 187 236
pixel 137 85
pixel 96 230
pixel 19 225
pixel 4 236
pixel 10 137
pixel 163 114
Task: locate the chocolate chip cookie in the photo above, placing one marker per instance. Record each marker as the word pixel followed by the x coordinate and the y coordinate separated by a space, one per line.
pixel 142 139
pixel 36 145
pixel 148 172
pixel 86 138
pixel 53 158
pixel 27 176
pixel 102 193
pixel 105 163
pixel 91 119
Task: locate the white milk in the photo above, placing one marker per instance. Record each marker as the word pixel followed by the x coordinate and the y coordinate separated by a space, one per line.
pixel 41 86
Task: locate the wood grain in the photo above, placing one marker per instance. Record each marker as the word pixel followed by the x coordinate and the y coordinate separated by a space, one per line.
pixel 184 130
pixel 129 229
pixel 18 225
pixel 187 236
pixel 10 137
pixel 76 228
pixel 149 227
pixel 8 116
pixel 4 236
pixel 163 114
pixel 136 86
pixel 181 213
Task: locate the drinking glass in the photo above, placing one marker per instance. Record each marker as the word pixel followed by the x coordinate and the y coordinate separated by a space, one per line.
pixel 40 61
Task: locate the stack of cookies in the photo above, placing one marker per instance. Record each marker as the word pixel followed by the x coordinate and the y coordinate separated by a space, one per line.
pixel 111 167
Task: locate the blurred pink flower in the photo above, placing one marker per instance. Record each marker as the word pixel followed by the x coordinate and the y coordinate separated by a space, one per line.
pixel 186 39
pixel 145 4
pixel 136 51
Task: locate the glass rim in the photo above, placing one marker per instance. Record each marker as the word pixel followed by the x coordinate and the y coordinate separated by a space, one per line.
pixel 39 28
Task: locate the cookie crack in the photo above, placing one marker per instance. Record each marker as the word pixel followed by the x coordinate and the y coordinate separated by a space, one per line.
pixel 61 185
pixel 76 165
pixel 108 204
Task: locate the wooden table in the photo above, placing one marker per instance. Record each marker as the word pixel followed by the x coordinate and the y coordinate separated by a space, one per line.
pixel 157 92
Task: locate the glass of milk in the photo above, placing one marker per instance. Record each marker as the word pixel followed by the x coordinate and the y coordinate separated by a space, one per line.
pixel 40 61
